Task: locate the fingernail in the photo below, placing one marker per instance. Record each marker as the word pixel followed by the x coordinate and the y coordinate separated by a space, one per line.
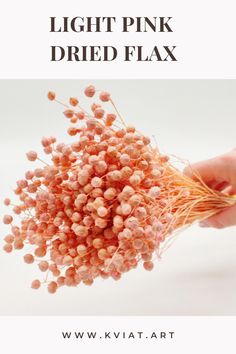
pixel 204 223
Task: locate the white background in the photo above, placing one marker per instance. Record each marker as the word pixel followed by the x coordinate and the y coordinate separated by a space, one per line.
pixel 203 32
pixel 192 119
pixel 192 334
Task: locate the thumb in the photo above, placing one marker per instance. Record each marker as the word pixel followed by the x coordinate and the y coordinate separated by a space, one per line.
pixel 225 218
pixel 216 170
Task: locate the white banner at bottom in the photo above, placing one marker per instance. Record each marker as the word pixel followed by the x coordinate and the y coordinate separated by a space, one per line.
pixel 62 334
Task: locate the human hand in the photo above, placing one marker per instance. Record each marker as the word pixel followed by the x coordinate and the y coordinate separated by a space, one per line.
pixel 218 173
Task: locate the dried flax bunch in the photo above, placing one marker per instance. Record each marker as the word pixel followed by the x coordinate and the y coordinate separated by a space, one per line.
pixel 106 202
